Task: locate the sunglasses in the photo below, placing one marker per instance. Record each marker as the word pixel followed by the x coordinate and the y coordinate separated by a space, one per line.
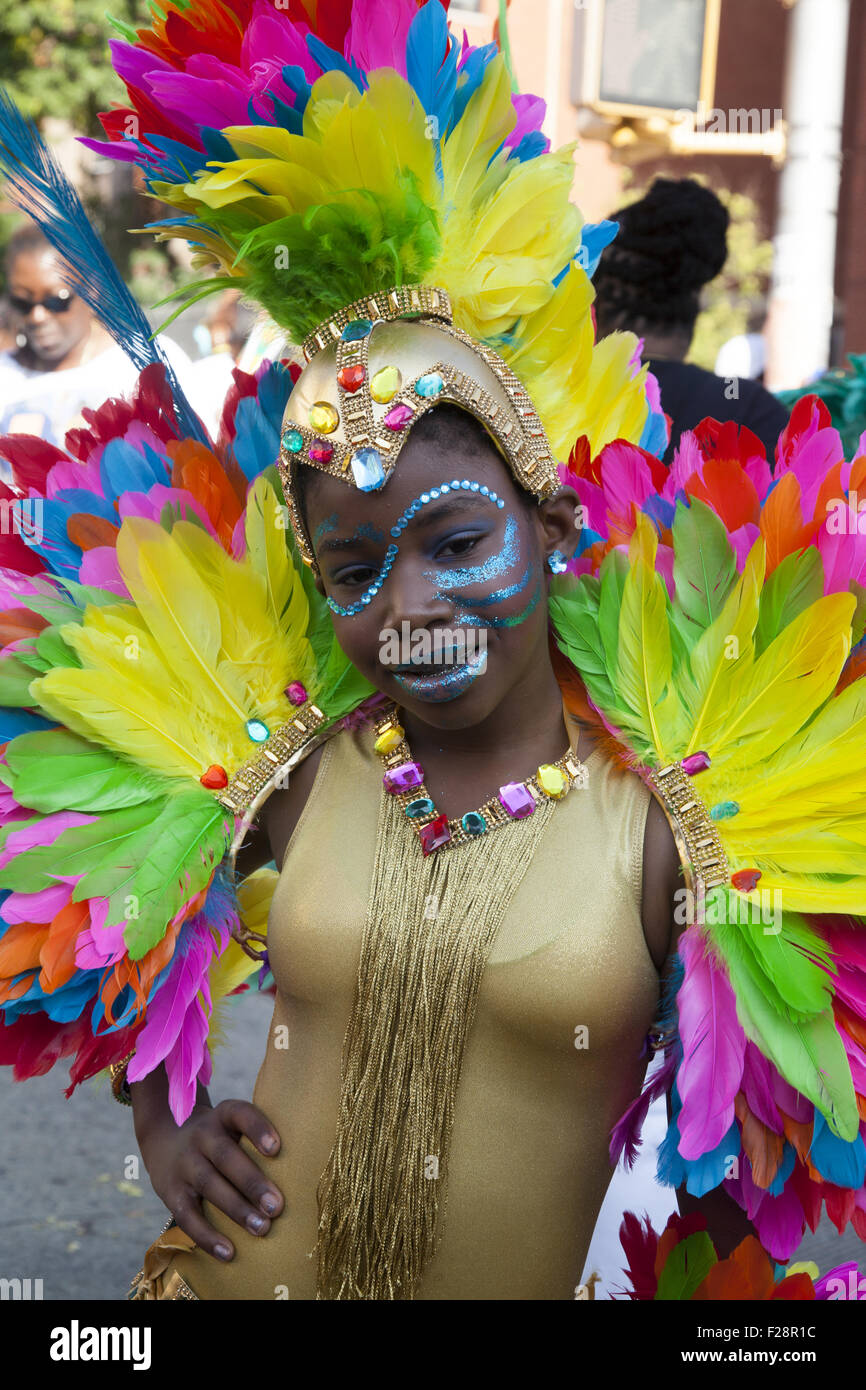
pixel 54 303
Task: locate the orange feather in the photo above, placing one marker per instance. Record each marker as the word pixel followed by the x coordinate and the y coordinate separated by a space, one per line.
pixel 200 472
pixel 20 947
pixel 91 531
pixel 16 623
pixel 57 955
pixel 782 523
pixel 763 1148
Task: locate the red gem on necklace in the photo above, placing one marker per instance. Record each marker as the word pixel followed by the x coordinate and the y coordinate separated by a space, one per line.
pixel 434 835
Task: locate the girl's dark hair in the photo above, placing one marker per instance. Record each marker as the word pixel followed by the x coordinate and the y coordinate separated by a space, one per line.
pixel 670 244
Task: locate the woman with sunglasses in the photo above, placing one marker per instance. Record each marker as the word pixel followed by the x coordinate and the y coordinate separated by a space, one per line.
pixel 62 359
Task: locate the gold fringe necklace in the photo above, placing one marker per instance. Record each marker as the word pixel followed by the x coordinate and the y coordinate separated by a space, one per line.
pixel 431 922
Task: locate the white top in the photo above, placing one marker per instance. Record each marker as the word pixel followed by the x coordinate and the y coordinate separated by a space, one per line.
pixel 48 404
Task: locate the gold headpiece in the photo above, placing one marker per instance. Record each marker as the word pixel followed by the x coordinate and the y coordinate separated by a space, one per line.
pixel 379 364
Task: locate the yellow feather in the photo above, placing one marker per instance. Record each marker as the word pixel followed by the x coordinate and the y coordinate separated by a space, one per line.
pixel 644 651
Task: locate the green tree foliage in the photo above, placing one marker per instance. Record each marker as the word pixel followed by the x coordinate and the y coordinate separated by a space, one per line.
pixel 54 57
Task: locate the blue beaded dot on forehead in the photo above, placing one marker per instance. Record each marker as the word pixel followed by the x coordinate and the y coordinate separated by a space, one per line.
pixel 443 490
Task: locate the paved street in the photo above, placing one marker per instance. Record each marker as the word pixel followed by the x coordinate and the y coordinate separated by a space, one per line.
pixel 71 1214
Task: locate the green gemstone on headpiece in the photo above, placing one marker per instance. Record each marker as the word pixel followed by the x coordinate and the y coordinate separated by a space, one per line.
pixel 293 441
pixel 356 330
pixel 474 823
pixel 723 810
pixel 258 732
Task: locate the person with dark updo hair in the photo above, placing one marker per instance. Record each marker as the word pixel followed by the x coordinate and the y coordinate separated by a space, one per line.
pixel 670 244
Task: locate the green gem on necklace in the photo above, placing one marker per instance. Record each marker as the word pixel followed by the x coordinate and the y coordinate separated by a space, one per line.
pixel 474 823
pixel 420 806
pixel 258 732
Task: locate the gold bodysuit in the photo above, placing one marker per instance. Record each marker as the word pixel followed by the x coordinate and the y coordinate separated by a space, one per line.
pixel 552 1058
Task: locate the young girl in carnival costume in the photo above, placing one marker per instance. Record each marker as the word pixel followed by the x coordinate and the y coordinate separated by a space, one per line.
pixel 523 737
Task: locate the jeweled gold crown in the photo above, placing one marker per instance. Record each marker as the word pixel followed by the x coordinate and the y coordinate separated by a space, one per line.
pixel 375 368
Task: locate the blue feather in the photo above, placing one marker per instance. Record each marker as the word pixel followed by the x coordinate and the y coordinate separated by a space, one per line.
pixel 37 186
pixel 329 60
pixel 123 469
pixel 257 444
pixel 784 1171
pixel 837 1161
pixel 19 721
pixel 296 80
pixel 469 79
pixel 532 144
pixel 431 66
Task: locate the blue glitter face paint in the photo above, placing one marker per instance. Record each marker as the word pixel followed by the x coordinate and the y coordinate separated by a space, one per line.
pixel 448 684
pixel 325 528
pixel 367 531
pixel 504 560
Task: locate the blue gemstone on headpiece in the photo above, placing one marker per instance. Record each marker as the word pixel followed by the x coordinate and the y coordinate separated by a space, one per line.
pixel 434 494
pixel 425 498
pixel 444 488
pixel 455 483
pixel 258 732
pixel 429 385
pixel 465 485
pixel 474 487
pixel 367 469
pixel 356 330
pixel 293 441
pixel 484 490
pixel 395 531
pixel 723 810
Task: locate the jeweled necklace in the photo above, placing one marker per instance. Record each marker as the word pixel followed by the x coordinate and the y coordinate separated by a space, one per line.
pixel 404 779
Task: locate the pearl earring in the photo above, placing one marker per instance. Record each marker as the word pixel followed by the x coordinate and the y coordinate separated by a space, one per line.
pixel 21 339
pixel 557 562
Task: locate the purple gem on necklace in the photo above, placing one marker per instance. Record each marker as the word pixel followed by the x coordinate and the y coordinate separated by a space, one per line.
pixel 517 800
pixel 402 778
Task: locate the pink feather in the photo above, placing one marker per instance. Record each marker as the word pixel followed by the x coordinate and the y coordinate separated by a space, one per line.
pixel 36 907
pixel 44 832
pixel 758 1080
pixel 714 1046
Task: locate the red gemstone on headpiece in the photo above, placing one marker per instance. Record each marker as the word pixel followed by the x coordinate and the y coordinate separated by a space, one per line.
pixel 434 835
pixel 321 451
pixel 352 378
pixel 215 777
pixel 746 880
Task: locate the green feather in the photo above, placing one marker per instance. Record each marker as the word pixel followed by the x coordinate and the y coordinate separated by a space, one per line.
pixel 686 1268
pixel 808 1052
pixel 55 770
pixel 15 680
pixel 705 568
pixel 53 650
pixel 795 583
pixel 146 859
pixel 334 253
pixel 573 608
pixel 787 962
